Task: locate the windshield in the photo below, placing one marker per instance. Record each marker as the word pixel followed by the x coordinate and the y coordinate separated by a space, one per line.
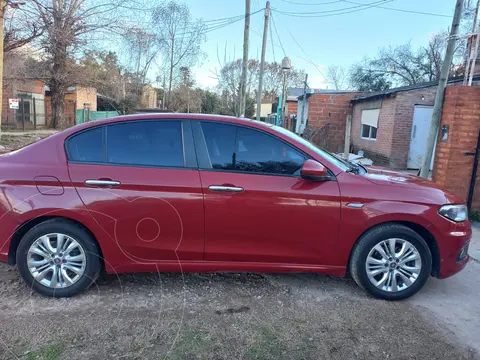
pixel 340 163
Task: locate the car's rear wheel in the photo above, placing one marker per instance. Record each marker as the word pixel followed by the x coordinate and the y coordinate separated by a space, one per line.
pixel 391 262
pixel 58 258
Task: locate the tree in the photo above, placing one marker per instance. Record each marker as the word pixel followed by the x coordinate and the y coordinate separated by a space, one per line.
pixel 67 25
pixel 337 76
pixel 229 82
pixel 101 70
pixel 186 77
pixel 364 79
pixel 273 79
pixel 210 103
pixel 142 48
pixel 183 38
pixel 401 65
pixel 185 100
pixel 20 28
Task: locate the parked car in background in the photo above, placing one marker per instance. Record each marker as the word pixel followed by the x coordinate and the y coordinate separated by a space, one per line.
pixel 184 192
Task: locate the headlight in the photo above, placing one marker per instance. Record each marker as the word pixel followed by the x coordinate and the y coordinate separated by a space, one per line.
pixel 455 213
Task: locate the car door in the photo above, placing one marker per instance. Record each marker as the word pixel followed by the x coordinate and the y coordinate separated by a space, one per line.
pixel 139 180
pixel 257 207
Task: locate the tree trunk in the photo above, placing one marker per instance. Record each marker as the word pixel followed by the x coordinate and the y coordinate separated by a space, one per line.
pixel 171 72
pixel 58 107
pixel 58 87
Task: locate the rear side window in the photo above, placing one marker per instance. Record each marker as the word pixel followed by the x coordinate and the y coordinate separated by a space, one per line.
pixel 86 146
pixel 151 143
pixel 248 150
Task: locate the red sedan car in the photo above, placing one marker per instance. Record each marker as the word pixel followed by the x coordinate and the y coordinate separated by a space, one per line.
pixel 178 192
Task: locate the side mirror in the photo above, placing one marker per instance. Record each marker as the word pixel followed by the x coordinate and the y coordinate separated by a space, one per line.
pixel 313 170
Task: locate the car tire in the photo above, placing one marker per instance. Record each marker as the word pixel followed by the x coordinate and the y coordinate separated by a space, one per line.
pixel 391 277
pixel 79 266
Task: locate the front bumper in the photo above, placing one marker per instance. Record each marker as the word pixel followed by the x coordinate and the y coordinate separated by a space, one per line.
pixel 452 241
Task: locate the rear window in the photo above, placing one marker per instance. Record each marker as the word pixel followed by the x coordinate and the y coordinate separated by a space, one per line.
pixel 86 146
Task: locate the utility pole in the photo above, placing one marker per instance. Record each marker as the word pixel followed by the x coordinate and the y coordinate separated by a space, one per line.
pixel 163 98
pixel 243 81
pixel 124 93
pixel 262 60
pixel 3 5
pixel 286 67
pixel 442 84
pixel 304 101
pixel 471 54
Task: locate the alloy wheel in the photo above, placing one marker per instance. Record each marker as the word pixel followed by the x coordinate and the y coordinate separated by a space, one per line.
pixel 56 260
pixel 393 265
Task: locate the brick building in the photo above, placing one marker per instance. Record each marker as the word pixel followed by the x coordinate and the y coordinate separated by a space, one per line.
pixel 382 124
pixel 35 105
pixel 327 110
pixel 391 127
pixel 459 135
pixel 77 98
pixel 30 93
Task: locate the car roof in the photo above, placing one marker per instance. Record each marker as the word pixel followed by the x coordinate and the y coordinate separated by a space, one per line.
pixel 55 142
pixel 169 116
pixel 166 116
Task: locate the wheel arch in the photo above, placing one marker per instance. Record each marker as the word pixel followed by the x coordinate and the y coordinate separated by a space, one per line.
pixel 21 230
pixel 420 230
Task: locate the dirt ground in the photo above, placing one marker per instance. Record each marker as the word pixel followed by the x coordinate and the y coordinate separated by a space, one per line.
pixel 14 140
pixel 240 316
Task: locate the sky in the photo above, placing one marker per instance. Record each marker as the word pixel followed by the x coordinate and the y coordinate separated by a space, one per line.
pixel 314 43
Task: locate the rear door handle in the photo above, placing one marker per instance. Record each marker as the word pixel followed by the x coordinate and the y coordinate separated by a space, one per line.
pixel 225 188
pixel 102 182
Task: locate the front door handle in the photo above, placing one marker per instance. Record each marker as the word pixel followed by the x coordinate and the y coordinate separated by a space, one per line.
pixel 102 183
pixel 225 188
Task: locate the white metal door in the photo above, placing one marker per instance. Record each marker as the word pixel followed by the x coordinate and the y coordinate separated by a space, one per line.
pixel 301 123
pixel 422 118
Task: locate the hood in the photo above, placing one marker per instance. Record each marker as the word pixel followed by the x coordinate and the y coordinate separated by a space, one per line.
pixel 419 189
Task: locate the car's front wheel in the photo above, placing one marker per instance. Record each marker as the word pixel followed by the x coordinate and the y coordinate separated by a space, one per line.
pixel 58 258
pixel 391 262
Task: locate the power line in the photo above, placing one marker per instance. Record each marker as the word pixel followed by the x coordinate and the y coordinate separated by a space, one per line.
pixel 224 19
pixel 276 31
pixel 271 40
pixel 359 6
pixel 308 57
pixel 312 4
pixel 334 10
pixel 221 25
pixel 328 13
pixel 405 10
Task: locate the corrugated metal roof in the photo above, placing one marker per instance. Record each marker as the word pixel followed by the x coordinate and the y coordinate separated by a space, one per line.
pixel 386 93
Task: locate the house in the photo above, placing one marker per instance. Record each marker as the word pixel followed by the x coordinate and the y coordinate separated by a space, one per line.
pixel 35 104
pixel 30 93
pixel 326 112
pixel 148 98
pixel 76 98
pixel 265 109
pixel 391 127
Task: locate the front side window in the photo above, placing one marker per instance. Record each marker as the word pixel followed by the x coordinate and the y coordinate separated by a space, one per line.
pixel 86 146
pixel 150 143
pixel 220 141
pixel 248 150
pixel 259 152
